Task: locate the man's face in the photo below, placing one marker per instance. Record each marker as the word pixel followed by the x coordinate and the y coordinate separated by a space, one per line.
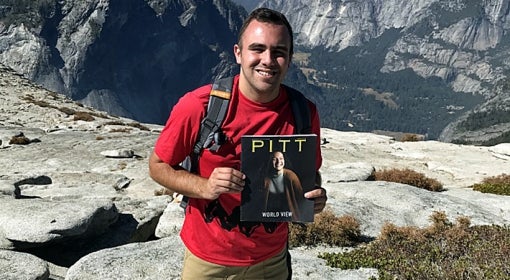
pixel 278 161
pixel 264 56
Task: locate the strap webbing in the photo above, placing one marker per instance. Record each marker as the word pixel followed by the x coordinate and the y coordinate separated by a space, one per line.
pixel 216 110
pixel 219 97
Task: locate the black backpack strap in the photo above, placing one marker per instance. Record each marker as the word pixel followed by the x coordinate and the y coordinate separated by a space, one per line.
pixel 301 111
pixel 219 99
pixel 210 127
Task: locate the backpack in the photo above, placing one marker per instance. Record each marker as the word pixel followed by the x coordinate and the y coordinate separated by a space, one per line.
pixel 210 127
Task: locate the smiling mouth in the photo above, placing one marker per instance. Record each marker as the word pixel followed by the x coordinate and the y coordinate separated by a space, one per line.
pixel 266 73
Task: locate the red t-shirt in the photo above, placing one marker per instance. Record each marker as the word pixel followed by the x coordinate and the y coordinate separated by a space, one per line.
pixel 212 230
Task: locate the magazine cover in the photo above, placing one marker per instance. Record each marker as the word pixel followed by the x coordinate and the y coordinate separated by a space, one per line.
pixel 279 170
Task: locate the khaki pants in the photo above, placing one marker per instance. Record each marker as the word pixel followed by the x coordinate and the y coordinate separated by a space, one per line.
pixel 273 268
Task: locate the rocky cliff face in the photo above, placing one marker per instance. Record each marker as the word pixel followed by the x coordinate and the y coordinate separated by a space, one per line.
pixel 135 58
pixel 438 38
pixel 464 43
pixel 131 58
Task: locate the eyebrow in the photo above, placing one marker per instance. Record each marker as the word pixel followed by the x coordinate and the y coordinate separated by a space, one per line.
pixel 258 45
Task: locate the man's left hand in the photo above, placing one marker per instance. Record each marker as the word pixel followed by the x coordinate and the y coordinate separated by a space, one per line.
pixel 320 197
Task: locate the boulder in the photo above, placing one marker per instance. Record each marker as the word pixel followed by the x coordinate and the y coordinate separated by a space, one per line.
pixel 159 259
pixel 29 223
pixel 17 265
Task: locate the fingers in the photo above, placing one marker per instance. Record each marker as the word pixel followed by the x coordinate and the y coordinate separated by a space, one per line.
pixel 319 205
pixel 316 193
pixel 225 180
pixel 320 197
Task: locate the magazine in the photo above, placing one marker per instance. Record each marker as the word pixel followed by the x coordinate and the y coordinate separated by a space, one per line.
pixel 279 170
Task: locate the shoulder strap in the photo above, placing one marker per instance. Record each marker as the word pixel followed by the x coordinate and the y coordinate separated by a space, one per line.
pixel 219 98
pixel 300 110
pixel 210 127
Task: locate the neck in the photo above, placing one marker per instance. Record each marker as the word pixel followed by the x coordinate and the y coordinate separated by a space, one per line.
pixel 256 95
pixel 277 173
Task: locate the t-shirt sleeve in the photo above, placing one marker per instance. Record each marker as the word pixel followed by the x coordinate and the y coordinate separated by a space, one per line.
pixel 179 135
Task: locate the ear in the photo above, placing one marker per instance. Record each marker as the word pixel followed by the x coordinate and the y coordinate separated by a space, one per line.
pixel 237 53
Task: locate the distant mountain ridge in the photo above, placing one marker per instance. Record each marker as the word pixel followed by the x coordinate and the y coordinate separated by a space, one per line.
pixel 437 68
pixel 463 43
pixel 456 35
pixel 131 58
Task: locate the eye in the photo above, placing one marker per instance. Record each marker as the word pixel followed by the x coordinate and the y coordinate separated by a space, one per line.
pixel 279 54
pixel 258 50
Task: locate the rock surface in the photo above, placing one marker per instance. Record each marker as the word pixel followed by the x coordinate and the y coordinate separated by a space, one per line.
pixel 17 264
pixel 70 203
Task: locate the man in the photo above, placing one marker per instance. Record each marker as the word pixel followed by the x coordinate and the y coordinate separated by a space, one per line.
pixel 282 187
pixel 218 245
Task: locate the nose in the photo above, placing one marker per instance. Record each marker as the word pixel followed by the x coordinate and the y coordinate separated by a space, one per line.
pixel 268 57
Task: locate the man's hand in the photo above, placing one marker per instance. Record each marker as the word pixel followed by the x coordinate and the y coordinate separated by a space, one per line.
pixel 320 197
pixel 223 180
pixel 176 179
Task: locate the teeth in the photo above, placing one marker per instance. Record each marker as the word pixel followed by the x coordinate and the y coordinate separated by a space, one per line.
pixel 265 73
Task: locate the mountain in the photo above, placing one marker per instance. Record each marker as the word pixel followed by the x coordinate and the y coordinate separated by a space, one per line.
pixel 433 67
pixel 437 68
pixel 249 5
pixel 132 58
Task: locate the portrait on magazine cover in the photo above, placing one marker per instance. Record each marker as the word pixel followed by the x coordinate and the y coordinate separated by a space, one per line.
pixel 278 174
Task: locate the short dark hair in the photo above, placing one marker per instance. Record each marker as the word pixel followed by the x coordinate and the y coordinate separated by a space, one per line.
pixel 269 16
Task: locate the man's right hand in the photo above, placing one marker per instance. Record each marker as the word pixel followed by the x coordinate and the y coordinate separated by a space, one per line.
pixel 223 180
